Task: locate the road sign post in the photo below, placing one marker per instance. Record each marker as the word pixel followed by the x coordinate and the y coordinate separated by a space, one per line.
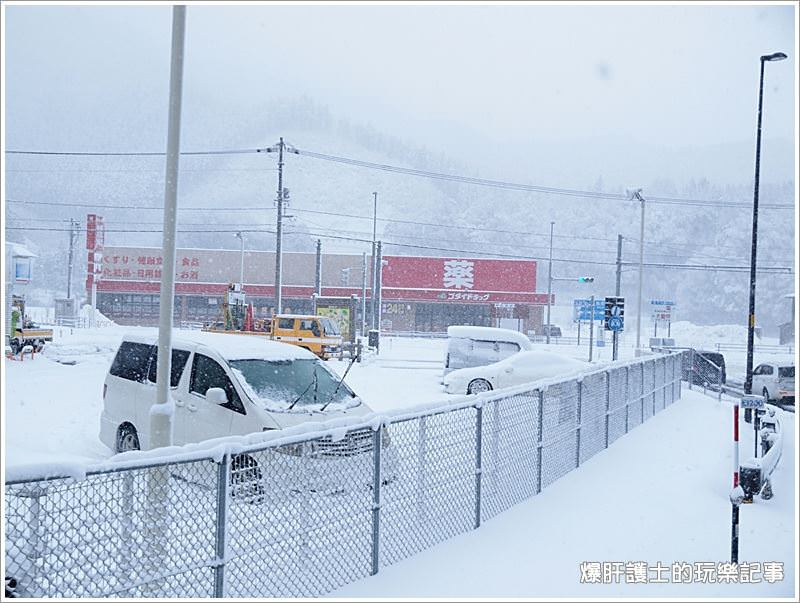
pixel 614 321
pixel 754 404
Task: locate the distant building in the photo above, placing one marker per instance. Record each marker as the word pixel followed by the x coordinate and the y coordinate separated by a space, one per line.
pixel 424 294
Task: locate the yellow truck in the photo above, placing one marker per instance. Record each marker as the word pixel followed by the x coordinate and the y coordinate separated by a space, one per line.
pixel 318 334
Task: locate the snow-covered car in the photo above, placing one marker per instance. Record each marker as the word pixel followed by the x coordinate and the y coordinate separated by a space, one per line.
pixel 775 381
pixel 522 367
pixel 221 385
pixel 469 346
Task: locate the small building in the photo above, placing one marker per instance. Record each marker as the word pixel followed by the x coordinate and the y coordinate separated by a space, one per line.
pixel 420 294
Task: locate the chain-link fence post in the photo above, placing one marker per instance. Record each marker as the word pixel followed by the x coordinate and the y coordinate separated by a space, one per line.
pixel 641 396
pixel 156 527
pixel 478 463
pixel 690 372
pixel 608 406
pixel 578 425
pixel 655 386
pixel 220 545
pixel 719 383
pixel 422 467
pixel 539 439
pixel 627 395
pixel 28 582
pixel 126 524
pixel 376 500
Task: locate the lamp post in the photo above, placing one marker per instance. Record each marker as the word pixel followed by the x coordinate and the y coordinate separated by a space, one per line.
pixel 240 236
pixel 636 195
pixel 751 322
pixel 549 284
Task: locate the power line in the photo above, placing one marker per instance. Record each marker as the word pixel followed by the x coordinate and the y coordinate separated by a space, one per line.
pixel 500 184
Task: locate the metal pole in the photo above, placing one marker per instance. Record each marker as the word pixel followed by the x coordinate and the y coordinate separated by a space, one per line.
pixel 223 479
pixel 379 285
pixel 373 260
pixel 161 422
pixel 641 264
pixel 241 263
pixel 734 506
pixel 549 283
pixel 376 499
pixel 363 294
pixel 615 334
pixel 751 321
pixel 579 331
pixel 279 235
pixel 318 273
pixel 591 328
pixel 73 231
pixel 478 464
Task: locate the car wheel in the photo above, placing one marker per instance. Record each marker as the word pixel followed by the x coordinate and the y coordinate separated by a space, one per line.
pixel 765 393
pixel 245 479
pixel 477 386
pixel 127 438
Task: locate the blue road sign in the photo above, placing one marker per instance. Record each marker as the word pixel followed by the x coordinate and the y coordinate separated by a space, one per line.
pixel 581 309
pixel 615 323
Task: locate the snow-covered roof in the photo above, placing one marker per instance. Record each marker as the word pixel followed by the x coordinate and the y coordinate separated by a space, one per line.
pixel 489 334
pixel 231 346
pixel 20 250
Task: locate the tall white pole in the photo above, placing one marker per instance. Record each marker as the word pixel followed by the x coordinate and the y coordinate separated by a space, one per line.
pixel 641 264
pixel 549 283
pixel 241 267
pixel 374 262
pixel 161 413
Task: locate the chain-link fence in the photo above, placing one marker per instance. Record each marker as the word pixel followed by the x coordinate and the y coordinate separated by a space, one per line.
pixel 302 518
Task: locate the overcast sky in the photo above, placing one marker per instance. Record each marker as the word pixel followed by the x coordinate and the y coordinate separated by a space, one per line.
pixel 672 74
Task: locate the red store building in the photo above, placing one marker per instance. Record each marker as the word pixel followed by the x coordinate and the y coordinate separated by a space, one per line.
pixel 423 294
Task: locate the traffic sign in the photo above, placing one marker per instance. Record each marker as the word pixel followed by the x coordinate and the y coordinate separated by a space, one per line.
pixel 662 310
pixel 614 313
pixel 615 323
pixel 581 309
pixel 752 402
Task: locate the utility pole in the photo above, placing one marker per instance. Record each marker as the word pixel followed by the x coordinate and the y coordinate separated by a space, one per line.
pixel 73 237
pixel 550 284
pixel 641 264
pixel 615 334
pixel 318 276
pixel 373 258
pixel 379 281
pixel 279 234
pixel 363 294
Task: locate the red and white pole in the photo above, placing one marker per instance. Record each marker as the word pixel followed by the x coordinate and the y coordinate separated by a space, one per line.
pixel 736 492
pixel 735 445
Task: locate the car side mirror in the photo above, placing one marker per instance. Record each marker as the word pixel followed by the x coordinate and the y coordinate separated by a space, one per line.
pixel 216 395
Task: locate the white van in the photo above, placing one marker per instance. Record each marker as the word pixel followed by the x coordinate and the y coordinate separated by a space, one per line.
pixel 478 346
pixel 221 385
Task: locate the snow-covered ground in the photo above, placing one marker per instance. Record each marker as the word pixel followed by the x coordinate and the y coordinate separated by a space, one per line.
pixel 658 494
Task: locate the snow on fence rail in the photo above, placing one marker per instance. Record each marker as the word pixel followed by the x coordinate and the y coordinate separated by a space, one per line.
pixel 303 514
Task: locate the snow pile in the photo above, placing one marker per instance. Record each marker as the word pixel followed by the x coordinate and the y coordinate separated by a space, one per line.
pixel 85 314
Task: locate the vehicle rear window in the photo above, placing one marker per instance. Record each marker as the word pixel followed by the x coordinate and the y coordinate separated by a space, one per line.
pixel 179 358
pixel 131 361
pixel 286 323
pixel 786 371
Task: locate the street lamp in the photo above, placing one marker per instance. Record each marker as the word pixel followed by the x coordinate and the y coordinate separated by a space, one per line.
pixel 751 323
pixel 374 262
pixel 636 195
pixel 239 235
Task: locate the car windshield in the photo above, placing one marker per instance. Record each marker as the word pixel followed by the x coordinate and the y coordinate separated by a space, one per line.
pixel 330 327
pixel 786 372
pixel 306 383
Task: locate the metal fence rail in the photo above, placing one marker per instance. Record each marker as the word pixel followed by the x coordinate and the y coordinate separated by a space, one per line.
pixel 305 518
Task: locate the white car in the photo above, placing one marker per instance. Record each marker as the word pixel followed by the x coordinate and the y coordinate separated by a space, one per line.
pixel 775 381
pixel 522 367
pixel 221 385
